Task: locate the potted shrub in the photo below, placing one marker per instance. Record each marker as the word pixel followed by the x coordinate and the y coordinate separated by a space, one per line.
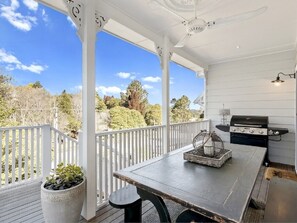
pixel 62 194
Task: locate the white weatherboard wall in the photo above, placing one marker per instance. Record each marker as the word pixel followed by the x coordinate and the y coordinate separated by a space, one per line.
pixel 245 87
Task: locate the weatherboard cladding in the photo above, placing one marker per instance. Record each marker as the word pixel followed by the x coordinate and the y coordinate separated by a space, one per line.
pixel 245 87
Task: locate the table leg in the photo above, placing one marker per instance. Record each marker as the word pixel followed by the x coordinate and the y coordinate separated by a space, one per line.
pixel 134 213
pixel 157 202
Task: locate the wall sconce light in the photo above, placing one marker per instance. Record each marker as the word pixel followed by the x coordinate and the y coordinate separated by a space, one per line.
pixel 278 81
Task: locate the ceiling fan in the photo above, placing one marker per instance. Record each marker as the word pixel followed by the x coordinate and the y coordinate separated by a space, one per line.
pixel 197 25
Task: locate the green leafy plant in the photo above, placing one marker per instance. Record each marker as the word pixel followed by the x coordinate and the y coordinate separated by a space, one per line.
pixel 65 177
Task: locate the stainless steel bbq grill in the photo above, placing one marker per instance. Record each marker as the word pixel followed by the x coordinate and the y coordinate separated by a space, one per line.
pixel 250 130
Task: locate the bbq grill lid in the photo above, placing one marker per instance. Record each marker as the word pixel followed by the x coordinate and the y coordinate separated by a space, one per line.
pixel 249 120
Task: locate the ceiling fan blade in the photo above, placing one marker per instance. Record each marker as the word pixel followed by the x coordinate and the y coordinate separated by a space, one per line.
pixel 156 3
pixel 183 41
pixel 236 18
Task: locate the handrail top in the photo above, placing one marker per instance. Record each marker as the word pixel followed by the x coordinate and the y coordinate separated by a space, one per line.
pixel 145 128
pixel 22 127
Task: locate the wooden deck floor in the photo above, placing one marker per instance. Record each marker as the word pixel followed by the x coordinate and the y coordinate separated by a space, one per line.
pixel 22 204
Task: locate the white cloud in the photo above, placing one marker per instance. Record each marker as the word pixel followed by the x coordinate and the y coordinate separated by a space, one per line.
pixel 146 86
pixel 133 77
pixel 151 79
pixel 32 68
pixel 44 16
pixel 123 75
pixel 13 63
pixel 16 19
pixel 8 58
pixel 71 22
pixel 31 4
pixel 171 81
pixel 78 87
pixel 109 90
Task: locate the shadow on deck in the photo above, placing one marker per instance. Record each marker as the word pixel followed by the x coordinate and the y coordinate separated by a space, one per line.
pixel 22 204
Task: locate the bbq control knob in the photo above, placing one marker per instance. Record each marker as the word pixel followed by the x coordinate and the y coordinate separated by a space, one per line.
pixel 270 132
pixel 276 133
pixel 251 131
pixel 261 132
pixel 242 130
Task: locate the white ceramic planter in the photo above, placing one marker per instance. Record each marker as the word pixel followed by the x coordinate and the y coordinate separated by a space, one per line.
pixel 62 206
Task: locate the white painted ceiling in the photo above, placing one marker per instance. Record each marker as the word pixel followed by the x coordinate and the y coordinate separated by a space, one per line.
pixel 273 31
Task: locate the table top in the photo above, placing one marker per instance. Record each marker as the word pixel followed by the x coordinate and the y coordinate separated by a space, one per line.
pixel 220 193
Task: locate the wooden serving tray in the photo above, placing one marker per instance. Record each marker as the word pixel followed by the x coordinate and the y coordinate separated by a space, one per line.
pixel 197 156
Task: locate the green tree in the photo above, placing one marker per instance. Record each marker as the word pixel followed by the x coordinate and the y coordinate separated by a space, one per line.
pixel 124 118
pixel 111 101
pixel 100 105
pixel 6 110
pixel 135 97
pixel 73 126
pixel 5 86
pixel 153 115
pixel 64 102
pixel 37 84
pixel 181 109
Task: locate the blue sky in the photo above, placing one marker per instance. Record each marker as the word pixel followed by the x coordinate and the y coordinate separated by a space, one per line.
pixel 40 44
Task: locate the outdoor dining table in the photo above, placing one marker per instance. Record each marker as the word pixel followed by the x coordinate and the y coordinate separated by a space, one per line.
pixel 221 194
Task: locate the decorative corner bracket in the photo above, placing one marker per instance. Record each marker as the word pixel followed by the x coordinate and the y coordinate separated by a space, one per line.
pixel 159 50
pixel 100 21
pixel 76 13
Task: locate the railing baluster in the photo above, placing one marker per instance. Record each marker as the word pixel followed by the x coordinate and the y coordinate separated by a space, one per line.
pixel 121 154
pixel 20 162
pixel 125 150
pixel 55 149
pixel 6 155
pixel 64 149
pixel 105 168
pixel 149 148
pixel 116 158
pixel 101 168
pixel 38 152
pixel 133 147
pixel 59 149
pixel 110 164
pixel 68 150
pixel 13 156
pixel 129 148
pixel 26 154
pixel 32 154
pixel 139 145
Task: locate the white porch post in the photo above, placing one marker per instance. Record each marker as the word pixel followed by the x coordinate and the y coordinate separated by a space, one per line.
pixel 88 107
pixel 165 55
pixel 89 22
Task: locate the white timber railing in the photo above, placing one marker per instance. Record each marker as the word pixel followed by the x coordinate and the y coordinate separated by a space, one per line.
pixel 29 153
pixel 64 149
pixel 182 134
pixel 123 148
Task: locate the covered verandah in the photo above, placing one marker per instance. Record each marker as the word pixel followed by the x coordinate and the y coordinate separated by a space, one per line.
pixel 226 59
